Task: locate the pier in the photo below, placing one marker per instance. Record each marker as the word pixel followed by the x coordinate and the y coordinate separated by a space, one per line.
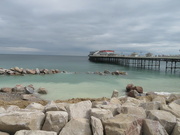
pixel 172 64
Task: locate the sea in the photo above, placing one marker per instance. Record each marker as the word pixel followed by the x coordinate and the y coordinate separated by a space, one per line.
pixel 79 82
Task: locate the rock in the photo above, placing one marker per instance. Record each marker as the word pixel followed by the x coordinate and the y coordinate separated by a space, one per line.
pixel 15 121
pixel 160 99
pixel 139 89
pixel 6 90
pixel 2 71
pixel 24 71
pixel 18 89
pixel 129 87
pixel 29 89
pixel 166 119
pixel 55 121
pixel 3 133
pixel 177 101
pixel 115 101
pixel 115 94
pixel 123 124
pixel 107 72
pixel 35 106
pixel 51 106
pixel 172 108
pixel 151 127
pixel 131 101
pixel 62 106
pixel 2 110
pixel 10 72
pixel 176 130
pixel 97 127
pixel 12 108
pixel 17 69
pixel 30 71
pixel 79 110
pixel 46 71
pixel 112 108
pixel 133 93
pixel 57 71
pixel 79 126
pixel 101 113
pixel 173 97
pixel 35 132
pixel 42 90
pixel 37 71
pixel 135 111
pixel 150 105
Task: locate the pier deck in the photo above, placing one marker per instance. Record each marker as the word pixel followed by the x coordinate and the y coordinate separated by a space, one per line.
pixel 172 63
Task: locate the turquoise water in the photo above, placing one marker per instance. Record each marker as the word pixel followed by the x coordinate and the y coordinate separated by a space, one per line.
pixel 80 84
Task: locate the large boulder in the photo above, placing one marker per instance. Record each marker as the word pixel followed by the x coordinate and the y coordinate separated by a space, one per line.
pixel 151 127
pixel 115 94
pixel 101 113
pixel 166 119
pixel 51 106
pixel 176 130
pixel 35 132
pixel 175 109
pixel 112 107
pixel 15 121
pixel 159 99
pixel 150 105
pixel 97 127
pixel 135 111
pixel 78 126
pixel 123 124
pixel 139 89
pixel 35 106
pixel 55 121
pixel 173 97
pixel 79 110
pixel 2 71
pixel 131 102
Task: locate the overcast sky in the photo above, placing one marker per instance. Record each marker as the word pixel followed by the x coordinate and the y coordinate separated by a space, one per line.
pixel 75 27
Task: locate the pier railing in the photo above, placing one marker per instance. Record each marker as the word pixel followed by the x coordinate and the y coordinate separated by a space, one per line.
pixel 172 63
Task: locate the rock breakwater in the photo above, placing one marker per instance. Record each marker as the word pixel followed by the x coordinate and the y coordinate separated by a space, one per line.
pixel 148 114
pixel 21 71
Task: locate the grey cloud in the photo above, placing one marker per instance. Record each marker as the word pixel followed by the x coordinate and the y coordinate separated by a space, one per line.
pixel 79 26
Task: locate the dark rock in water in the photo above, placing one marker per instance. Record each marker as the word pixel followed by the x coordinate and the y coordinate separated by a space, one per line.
pixel 42 91
pixel 57 71
pixel 29 89
pixel 18 89
pixel 129 87
pixel 139 89
pixel 6 90
pixel 107 72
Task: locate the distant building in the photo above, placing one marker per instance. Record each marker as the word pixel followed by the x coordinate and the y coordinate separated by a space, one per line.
pixel 149 54
pixel 134 54
pixel 102 52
